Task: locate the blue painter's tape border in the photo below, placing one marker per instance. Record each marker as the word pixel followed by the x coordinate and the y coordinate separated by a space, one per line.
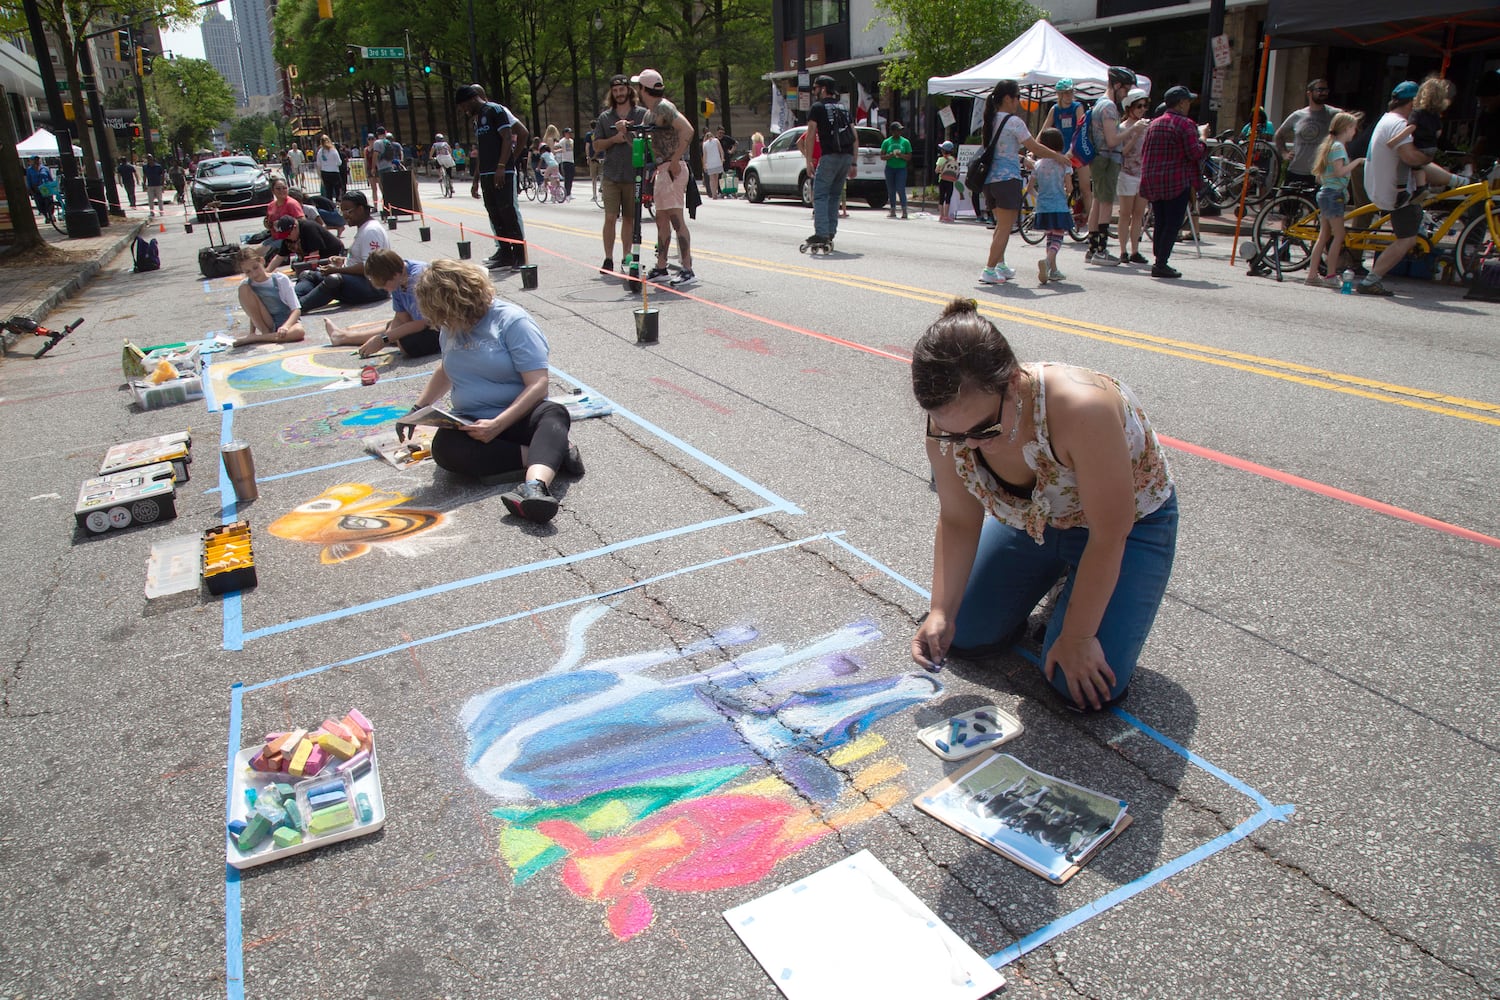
pixel 777 504
pixel 502 574
pixel 234 943
pixel 1265 812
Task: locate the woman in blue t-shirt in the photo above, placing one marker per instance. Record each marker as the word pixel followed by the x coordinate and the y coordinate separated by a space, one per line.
pixel 494 369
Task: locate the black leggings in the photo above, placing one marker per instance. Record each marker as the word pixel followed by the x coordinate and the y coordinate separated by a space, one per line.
pixel 544 431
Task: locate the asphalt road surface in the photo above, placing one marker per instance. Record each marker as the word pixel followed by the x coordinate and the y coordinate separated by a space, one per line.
pixel 693 687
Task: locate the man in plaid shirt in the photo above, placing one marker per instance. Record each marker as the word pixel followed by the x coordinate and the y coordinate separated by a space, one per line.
pixel 1171 169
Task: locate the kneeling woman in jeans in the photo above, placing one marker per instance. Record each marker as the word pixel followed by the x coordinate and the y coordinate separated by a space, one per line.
pixel 495 368
pixel 1045 472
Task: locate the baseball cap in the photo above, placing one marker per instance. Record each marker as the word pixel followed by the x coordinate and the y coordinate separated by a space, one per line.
pixel 1177 95
pixel 1404 91
pixel 649 79
pixel 465 94
pixel 896 127
pixel 618 79
pixel 1136 94
pixel 946 147
pixel 285 224
pixel 1064 86
pixel 827 82
pixel 380 130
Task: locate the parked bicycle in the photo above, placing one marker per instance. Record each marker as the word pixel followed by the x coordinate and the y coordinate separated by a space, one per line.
pixel 1287 227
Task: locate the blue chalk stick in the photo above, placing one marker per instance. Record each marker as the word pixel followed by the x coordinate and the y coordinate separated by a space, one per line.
pixel 940 745
pixel 236 828
pixel 362 804
pixel 250 797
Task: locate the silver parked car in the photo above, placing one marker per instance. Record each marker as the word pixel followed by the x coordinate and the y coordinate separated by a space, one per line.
pixel 237 183
pixel 782 170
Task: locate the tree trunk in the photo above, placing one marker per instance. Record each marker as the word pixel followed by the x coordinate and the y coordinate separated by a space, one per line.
pixel 13 176
pixel 80 111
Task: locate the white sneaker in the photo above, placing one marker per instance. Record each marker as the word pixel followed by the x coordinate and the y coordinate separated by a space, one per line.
pixel 1005 271
pixel 1055 276
pixel 990 276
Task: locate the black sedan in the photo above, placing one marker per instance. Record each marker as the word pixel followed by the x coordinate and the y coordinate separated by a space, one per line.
pixel 237 183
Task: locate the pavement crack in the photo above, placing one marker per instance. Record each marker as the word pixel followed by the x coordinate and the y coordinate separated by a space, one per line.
pixel 32 629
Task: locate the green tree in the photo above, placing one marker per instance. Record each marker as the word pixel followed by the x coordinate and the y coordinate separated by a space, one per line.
pixel 194 99
pixel 945 36
pixel 246 132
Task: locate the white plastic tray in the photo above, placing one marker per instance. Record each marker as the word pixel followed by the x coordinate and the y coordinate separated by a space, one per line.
pixel 244 778
pixel 982 728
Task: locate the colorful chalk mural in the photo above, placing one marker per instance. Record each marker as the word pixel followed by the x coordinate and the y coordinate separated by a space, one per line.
pixel 344 423
pixel 260 370
pixel 635 785
pixel 349 520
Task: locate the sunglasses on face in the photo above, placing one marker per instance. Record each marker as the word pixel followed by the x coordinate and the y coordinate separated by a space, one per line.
pixel 982 433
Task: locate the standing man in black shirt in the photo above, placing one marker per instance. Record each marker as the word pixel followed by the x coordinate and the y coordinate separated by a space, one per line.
pixel 497 134
pixel 833 127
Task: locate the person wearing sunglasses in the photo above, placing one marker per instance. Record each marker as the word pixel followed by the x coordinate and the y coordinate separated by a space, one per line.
pixel 1046 474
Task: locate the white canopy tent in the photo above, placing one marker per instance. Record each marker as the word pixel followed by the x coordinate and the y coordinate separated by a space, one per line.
pixel 43 143
pixel 1038 58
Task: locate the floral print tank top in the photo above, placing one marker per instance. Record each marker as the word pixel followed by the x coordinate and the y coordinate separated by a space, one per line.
pixel 1054 500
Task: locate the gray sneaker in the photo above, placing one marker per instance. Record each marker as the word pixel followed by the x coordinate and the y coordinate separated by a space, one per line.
pixel 531 500
pixel 1372 288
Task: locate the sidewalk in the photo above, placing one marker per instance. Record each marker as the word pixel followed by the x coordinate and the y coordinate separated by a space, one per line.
pixel 33 284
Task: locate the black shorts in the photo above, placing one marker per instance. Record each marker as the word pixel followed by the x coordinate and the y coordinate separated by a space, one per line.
pixel 1004 195
pixel 420 344
pixel 1406 220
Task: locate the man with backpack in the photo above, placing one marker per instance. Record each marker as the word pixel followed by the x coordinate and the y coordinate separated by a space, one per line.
pixel 829 121
pixel 1100 145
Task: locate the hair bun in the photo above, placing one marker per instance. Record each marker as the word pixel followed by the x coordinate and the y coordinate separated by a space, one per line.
pixel 961 307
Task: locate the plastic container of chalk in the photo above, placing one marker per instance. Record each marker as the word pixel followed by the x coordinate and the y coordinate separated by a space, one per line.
pixel 366 783
pixel 971 732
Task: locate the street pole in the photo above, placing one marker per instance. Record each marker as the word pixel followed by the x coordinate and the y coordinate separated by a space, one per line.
pixel 140 87
pixel 1215 28
pixel 102 141
pixel 81 220
pixel 411 96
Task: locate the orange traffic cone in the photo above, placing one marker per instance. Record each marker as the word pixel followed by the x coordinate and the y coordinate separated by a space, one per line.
pixel 163 227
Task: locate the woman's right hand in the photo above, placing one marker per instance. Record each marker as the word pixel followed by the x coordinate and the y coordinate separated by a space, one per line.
pixel 929 647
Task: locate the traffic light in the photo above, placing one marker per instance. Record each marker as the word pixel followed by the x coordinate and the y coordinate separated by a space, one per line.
pixel 143 59
pixel 708 107
pixel 135 131
pixel 427 67
pixel 124 50
pixel 352 67
pixel 325 9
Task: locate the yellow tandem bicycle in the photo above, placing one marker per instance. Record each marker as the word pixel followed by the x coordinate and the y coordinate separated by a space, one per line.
pixel 1462 225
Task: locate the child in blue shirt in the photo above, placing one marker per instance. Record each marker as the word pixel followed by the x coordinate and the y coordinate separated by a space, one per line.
pixel 1049 182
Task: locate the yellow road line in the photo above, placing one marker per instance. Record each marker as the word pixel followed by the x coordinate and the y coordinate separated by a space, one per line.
pixel 1275 368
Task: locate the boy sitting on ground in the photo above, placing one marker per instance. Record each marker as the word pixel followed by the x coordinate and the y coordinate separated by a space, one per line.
pixel 268 299
pixel 407 329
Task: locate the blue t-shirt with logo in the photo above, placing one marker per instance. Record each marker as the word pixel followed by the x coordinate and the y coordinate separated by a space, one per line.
pixel 485 366
pixel 405 299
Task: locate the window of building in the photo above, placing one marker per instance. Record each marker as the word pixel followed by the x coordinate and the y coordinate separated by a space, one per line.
pixel 822 13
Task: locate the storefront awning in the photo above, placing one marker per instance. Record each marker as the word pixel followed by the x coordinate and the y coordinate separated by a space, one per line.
pixel 1437 26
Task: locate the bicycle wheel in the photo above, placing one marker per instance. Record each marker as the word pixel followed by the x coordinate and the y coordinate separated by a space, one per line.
pixel 1475 245
pixel 1286 228
pixel 1025 220
pixel 541 194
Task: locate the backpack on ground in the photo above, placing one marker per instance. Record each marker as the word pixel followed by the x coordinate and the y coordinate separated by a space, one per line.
pixel 1083 139
pixel 147 256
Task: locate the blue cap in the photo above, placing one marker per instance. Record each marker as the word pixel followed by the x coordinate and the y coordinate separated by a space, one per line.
pixel 1404 91
pixel 1064 85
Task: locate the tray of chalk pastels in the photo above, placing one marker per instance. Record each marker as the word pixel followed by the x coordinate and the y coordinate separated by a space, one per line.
pixel 297 815
pixel 968 733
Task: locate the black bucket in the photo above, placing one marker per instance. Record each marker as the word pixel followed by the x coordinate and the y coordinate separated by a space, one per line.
pixel 528 276
pixel 646 325
pixel 464 249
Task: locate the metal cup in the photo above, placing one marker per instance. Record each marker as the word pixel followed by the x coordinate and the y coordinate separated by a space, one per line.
pixel 240 465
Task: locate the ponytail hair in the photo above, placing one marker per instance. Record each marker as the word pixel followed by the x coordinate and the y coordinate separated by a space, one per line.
pixel 1340 121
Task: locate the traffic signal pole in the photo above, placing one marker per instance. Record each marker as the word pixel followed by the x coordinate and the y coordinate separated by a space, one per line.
pixel 140 86
pixel 96 112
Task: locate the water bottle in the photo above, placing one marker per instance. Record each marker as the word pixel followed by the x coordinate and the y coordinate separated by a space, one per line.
pixel 1347 288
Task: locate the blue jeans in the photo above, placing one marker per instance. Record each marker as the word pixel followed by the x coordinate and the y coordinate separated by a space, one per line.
pixel 1012 573
pixel 895 187
pixel 828 188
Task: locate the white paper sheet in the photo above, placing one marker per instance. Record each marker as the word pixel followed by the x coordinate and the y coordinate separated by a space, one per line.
pixel 853 929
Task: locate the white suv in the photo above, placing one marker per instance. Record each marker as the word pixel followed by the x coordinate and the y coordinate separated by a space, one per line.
pixel 782 169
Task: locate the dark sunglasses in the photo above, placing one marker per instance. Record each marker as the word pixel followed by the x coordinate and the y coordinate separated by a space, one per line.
pixel 977 434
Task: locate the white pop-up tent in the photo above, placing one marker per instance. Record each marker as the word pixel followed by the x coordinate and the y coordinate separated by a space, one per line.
pixel 43 143
pixel 1038 58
